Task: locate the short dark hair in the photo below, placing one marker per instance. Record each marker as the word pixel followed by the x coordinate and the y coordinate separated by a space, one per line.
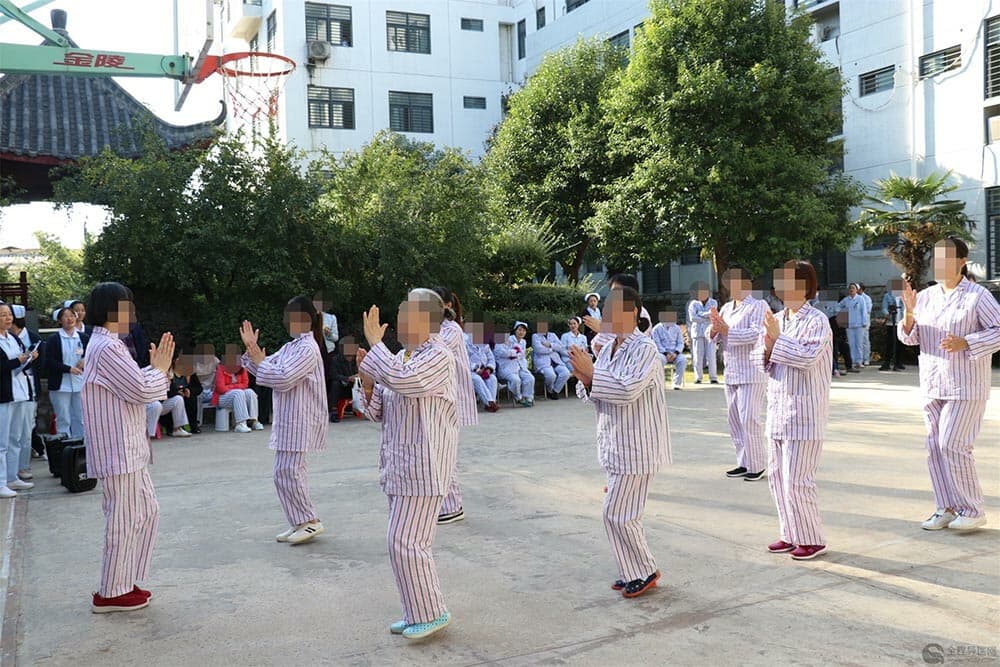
pixel 631 296
pixel 805 272
pixel 103 301
pixel 625 280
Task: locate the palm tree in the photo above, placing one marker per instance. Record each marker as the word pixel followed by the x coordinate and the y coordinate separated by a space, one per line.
pixel 912 214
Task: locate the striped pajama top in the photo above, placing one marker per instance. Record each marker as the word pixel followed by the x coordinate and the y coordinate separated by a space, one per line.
pixel 798 375
pixel 415 402
pixel 745 321
pixel 970 311
pixel 114 395
pixel 295 374
pixel 633 433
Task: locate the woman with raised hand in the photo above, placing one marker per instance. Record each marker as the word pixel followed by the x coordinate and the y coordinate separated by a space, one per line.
pixel 115 395
pixel 956 323
pixel 295 374
pixel 795 350
pixel 413 395
pixel 625 385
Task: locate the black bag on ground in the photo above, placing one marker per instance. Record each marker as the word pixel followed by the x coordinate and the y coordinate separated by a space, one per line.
pixel 74 467
pixel 53 451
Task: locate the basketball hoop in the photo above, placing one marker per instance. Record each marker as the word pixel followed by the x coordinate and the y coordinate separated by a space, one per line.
pixel 253 81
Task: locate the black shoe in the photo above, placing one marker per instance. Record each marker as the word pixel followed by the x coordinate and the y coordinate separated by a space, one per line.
pixel 899 368
pixel 196 429
pixel 753 476
pixel 736 472
pixel 883 368
pixel 715 382
pixel 552 395
pixel 451 517
pixel 618 585
pixel 637 587
pixel 697 381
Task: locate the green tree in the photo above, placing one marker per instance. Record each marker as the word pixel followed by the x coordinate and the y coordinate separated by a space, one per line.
pixel 58 276
pixel 548 160
pixel 913 215
pixel 407 215
pixel 723 117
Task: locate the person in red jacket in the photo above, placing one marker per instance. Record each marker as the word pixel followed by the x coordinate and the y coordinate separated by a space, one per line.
pixel 232 392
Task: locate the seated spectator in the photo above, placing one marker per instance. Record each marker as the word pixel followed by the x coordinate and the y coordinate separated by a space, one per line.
pixel 669 341
pixel 174 406
pixel 545 350
pixel 184 383
pixel 64 352
pixel 572 337
pixel 205 364
pixel 232 392
pixel 512 365
pixel 483 365
pixel 341 376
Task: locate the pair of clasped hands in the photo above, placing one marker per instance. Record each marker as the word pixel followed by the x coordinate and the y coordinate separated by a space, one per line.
pixel 772 328
pixel 950 343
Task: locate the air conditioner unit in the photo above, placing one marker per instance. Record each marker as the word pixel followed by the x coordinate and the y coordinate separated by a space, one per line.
pixel 318 51
pixel 994 129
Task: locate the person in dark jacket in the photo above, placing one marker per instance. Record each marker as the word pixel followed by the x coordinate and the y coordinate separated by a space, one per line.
pixel 184 383
pixel 64 352
pixel 340 376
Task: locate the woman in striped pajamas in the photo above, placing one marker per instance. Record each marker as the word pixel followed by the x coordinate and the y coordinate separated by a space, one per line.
pixel 453 336
pixel 626 386
pixel 738 326
pixel 115 394
pixel 413 395
pixel 956 323
pixel 795 350
pixel 295 374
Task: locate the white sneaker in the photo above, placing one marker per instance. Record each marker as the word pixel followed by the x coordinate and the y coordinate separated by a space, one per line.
pixel 257 426
pixel 305 532
pixel 20 485
pixel 942 518
pixel 967 522
pixel 5 492
pixel 181 433
pixel 283 537
pixel 25 475
pixel 242 428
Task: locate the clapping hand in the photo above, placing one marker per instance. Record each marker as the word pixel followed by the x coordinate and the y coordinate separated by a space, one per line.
pixel 592 323
pixel 583 365
pixel 719 325
pixel 771 327
pixel 162 355
pixel 249 335
pixel 909 297
pixel 953 343
pixel 373 330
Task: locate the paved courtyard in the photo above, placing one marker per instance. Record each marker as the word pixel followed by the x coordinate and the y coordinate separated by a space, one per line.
pixel 526 575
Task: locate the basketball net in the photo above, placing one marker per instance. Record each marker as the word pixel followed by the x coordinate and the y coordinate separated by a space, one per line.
pixel 253 82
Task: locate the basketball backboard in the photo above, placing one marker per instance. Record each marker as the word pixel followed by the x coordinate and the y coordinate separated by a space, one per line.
pixel 194 35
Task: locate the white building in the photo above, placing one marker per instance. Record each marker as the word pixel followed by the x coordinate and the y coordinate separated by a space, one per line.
pixel 921 89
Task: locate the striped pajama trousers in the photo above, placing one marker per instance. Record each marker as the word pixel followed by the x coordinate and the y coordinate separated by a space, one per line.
pixel 243 403
pixel 952 427
pixel 746 404
pixel 623 508
pixel 792 469
pixel 412 526
pixel 131 515
pixel 174 405
pixel 453 501
pixel 291 480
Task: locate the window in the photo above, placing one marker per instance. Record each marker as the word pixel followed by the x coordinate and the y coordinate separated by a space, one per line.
pixel 940 61
pixel 691 256
pixel 992 233
pixel 472 24
pixel 655 279
pixel 331 107
pixel 329 23
pixel 993 57
pixel 408 32
pixel 620 40
pixel 877 81
pixel 272 31
pixel 255 43
pixel 540 18
pixel 522 31
pixel 411 112
pixel 573 4
pixel 474 102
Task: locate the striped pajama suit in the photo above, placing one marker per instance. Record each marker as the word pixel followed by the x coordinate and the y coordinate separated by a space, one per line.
pixel 416 403
pixel 243 403
pixel 798 404
pixel 633 441
pixel 454 338
pixel 115 395
pixel 956 386
pixel 703 349
pixel 295 375
pixel 174 405
pixel 745 383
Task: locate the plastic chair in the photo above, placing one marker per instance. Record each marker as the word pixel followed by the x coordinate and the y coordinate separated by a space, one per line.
pixel 222 419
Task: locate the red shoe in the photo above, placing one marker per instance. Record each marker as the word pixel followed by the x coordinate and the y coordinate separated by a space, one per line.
pixel 637 587
pixel 127 602
pixel 618 585
pixel 492 407
pixel 142 591
pixel 780 547
pixel 807 551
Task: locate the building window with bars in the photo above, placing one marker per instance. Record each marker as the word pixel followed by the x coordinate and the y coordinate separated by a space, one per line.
pixel 329 23
pixel 993 233
pixel 540 18
pixel 992 52
pixel 877 81
pixel 408 32
pixel 331 108
pixel 522 33
pixel 619 41
pixel 411 112
pixel 475 25
pixel 272 31
pixel 655 279
pixel 691 256
pixel 574 4
pixel 940 61
pixel 474 102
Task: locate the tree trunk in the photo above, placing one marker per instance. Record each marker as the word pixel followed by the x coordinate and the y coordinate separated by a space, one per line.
pixel 721 257
pixel 572 270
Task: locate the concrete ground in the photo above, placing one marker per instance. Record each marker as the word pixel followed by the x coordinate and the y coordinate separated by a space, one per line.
pixel 526 575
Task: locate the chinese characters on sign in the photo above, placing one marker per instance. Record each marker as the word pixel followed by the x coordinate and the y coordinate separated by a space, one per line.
pixel 101 60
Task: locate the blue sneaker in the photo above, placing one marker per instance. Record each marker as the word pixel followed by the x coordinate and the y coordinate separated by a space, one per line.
pixel 421 630
pixel 398 627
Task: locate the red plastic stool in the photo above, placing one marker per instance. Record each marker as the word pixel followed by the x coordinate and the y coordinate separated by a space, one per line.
pixel 342 408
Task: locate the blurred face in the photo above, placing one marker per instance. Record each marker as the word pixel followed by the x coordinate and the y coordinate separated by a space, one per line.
pixel 477 332
pixel 319 303
pixel 791 291
pixel 499 339
pixel 297 323
pixel 542 327
pixel 231 358
pixel 619 316
pixel 668 317
pixel 119 321
pixel 737 282
pixel 414 322
pixel 350 347
pixel 574 327
pixel 184 365
pixel 6 317
pixel 67 319
pixel 896 286
pixel 592 302
pixel 947 265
